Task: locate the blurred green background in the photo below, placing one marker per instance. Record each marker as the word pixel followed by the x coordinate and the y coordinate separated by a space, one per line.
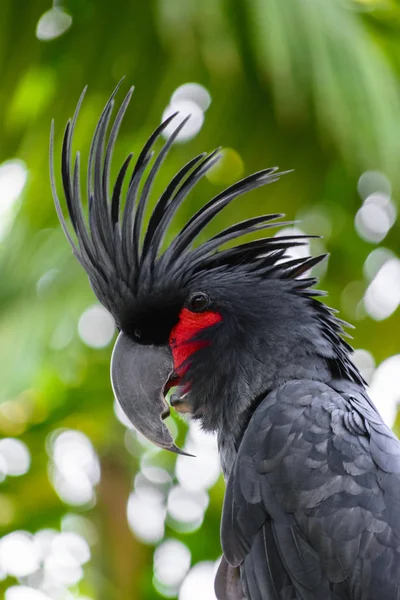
pixel 88 510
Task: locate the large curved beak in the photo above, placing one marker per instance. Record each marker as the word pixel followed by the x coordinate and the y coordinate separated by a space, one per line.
pixel 138 376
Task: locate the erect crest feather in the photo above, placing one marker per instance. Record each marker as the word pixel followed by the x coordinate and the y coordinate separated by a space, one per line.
pixel 109 244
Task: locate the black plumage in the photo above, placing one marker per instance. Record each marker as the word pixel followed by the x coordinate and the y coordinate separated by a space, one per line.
pixel 109 246
pixel 312 503
pixel 315 487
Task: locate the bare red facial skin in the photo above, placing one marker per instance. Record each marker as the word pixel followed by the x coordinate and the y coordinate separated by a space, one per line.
pixel 189 324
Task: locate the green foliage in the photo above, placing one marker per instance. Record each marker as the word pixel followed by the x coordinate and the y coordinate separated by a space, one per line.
pixel 312 86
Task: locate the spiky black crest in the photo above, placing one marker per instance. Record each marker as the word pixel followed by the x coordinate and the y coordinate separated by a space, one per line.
pixel 121 268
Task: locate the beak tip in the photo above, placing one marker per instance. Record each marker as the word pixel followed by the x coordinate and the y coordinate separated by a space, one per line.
pixel 177 450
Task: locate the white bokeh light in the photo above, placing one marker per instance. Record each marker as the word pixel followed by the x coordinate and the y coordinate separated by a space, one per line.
pixel 202 471
pixel 13 177
pixel 58 559
pixel 383 294
pixel 53 23
pixel 19 555
pixel 76 467
pixel 385 388
pixel 43 540
pixel 78 524
pixel 75 491
pixel 365 363
pixel 199 583
pixel 96 327
pixel 198 439
pixel 62 569
pixel 23 592
pixel 195 93
pixel 193 125
pixel 375 260
pixel 146 488
pixel 73 451
pixel 372 182
pixel 15 455
pixel 71 544
pixel 156 475
pixel 146 515
pixel 171 564
pixel 187 507
pixel 3 468
pixel 47 562
pixel 375 217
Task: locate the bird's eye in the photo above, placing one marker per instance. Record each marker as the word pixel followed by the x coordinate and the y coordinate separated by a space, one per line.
pixel 198 302
pixel 137 333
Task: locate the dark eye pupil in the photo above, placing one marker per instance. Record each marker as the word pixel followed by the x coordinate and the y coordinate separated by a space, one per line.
pixel 199 302
pixel 137 334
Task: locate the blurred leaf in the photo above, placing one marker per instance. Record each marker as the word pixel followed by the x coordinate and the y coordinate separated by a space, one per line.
pixel 321 53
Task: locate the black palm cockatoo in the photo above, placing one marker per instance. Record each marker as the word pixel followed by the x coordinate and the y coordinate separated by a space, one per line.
pixel 312 504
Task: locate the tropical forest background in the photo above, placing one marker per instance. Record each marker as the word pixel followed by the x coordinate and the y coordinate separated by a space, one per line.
pixel 88 509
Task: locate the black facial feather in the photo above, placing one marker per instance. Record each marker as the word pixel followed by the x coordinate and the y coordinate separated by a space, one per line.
pixel 130 277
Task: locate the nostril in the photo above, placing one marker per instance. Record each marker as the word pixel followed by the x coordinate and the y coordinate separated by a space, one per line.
pixel 137 333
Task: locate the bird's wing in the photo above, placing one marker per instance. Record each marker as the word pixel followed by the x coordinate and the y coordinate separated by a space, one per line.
pixel 228 585
pixel 312 507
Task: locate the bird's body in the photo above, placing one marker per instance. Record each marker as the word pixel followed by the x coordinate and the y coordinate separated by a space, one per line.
pixel 312 505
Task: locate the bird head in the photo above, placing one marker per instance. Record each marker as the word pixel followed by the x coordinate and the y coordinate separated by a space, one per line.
pixel 200 319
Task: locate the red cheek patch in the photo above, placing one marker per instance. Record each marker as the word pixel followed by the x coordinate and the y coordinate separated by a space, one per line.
pixel 188 326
